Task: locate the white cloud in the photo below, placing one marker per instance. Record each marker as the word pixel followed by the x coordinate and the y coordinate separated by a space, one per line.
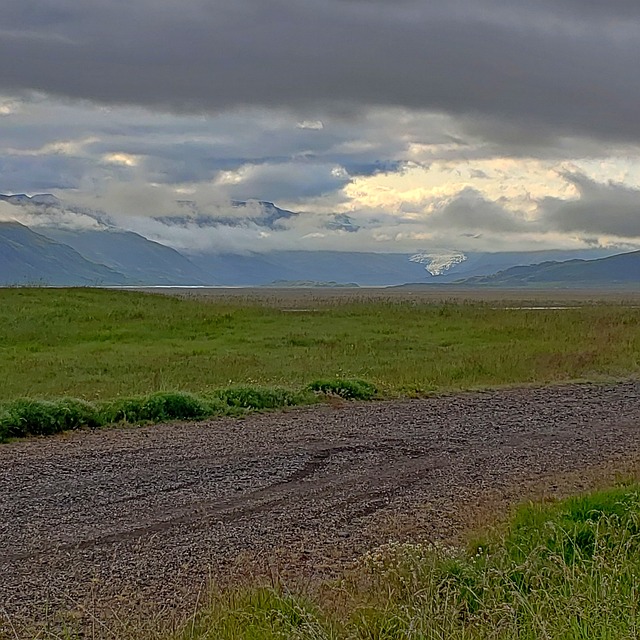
pixel 312 125
pixel 38 217
pixel 125 159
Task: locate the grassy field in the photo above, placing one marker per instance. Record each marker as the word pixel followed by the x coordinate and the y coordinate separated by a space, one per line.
pixel 564 571
pixel 99 345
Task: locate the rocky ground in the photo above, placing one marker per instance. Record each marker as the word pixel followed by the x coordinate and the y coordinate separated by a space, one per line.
pixel 121 519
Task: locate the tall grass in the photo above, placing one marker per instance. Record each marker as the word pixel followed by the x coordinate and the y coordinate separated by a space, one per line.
pixel 564 571
pixel 99 345
pixel 33 417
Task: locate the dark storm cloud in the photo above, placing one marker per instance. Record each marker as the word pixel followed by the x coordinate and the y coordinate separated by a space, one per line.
pixel 470 211
pixel 567 67
pixel 601 209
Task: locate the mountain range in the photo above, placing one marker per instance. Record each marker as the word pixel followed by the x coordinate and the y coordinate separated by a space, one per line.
pixel 29 258
pixel 51 254
pixel 618 270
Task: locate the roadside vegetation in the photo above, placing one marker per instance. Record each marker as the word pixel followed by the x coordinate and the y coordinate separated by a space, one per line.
pixel 559 571
pixel 34 417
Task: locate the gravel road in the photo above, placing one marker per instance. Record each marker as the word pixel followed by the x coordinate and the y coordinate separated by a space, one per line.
pixel 103 519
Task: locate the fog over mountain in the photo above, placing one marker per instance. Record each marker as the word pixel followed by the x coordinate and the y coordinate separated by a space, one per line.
pixel 97 251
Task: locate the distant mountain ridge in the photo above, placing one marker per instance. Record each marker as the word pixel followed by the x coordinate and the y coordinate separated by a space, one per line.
pixel 105 254
pixel 621 269
pixel 39 199
pixel 143 261
pixel 29 258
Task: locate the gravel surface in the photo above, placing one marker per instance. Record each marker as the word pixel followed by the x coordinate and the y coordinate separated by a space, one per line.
pixel 116 517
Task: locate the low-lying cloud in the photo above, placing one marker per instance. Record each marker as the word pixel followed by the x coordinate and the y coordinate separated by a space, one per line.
pixel 205 221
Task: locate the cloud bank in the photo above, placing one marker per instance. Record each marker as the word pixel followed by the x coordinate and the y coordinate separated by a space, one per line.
pixel 558 67
pixel 388 125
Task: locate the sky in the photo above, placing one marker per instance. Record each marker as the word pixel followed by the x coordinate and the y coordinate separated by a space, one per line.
pixel 389 125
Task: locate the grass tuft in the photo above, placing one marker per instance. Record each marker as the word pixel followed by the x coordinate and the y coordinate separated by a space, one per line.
pixel 29 417
pixel 348 389
pixel 158 407
pixel 259 398
pixel 77 414
pixel 263 614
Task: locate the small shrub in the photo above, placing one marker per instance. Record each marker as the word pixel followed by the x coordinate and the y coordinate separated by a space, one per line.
pixel 257 398
pixel 158 407
pixel 32 418
pixel 123 410
pixel 77 414
pixel 348 389
pixel 28 417
pixel 175 406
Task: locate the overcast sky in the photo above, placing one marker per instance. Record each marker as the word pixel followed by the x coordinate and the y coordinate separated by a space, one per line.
pixel 451 124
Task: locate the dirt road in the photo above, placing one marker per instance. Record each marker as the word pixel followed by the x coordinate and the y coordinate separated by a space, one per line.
pixel 90 520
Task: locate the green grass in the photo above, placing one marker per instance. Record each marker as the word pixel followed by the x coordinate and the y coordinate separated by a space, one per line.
pixel 564 571
pixel 101 345
pixel 34 417
pixel 348 389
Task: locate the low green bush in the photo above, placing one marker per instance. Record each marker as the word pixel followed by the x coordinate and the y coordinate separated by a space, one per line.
pixel 123 410
pixel 34 417
pixel 158 407
pixel 256 398
pixel 77 414
pixel 348 389
pixel 29 417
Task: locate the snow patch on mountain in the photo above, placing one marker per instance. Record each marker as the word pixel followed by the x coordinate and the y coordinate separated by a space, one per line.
pixel 437 263
pixel 23 199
